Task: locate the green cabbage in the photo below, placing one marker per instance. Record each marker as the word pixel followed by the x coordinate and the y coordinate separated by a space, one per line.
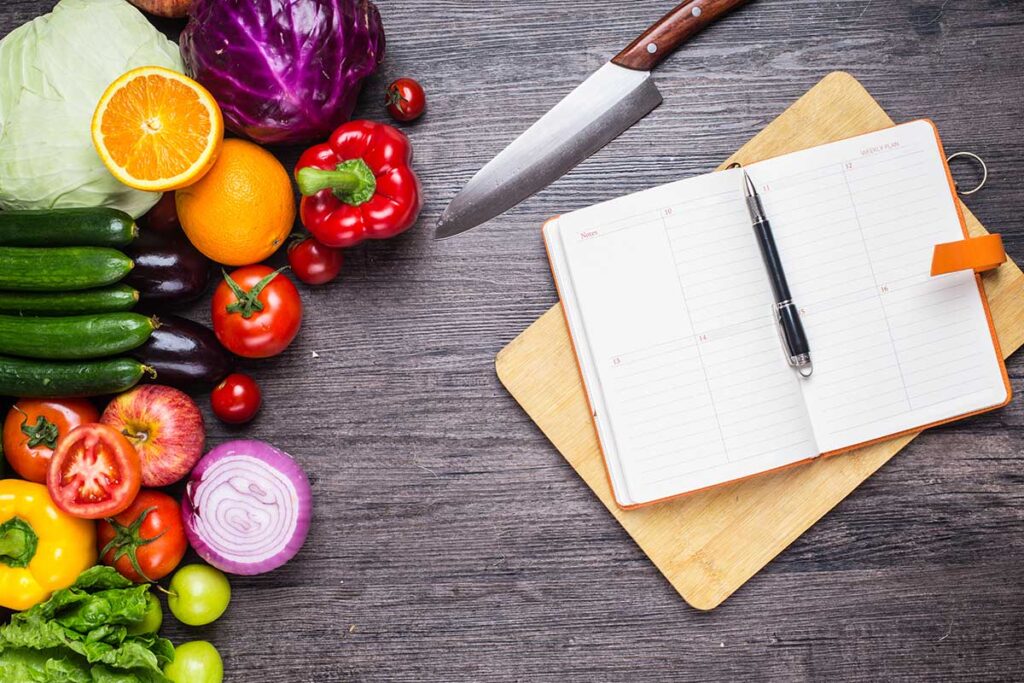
pixel 53 71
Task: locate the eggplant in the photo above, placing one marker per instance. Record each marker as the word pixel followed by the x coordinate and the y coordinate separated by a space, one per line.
pixel 168 269
pixel 185 354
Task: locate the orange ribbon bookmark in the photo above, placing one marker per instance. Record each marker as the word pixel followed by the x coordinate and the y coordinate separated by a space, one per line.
pixel 976 253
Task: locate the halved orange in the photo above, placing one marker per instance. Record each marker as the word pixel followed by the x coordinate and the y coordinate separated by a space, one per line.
pixel 157 130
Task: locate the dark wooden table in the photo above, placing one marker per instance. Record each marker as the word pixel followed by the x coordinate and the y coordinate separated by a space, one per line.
pixel 451 542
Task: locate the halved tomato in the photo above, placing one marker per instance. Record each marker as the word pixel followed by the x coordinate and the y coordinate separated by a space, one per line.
pixel 33 428
pixel 94 473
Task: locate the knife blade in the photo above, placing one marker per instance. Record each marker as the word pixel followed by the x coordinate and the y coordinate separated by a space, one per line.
pixel 607 103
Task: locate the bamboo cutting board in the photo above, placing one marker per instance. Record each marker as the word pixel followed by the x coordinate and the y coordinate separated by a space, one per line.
pixel 710 543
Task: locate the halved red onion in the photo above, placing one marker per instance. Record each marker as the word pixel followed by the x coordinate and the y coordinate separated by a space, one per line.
pixel 247 507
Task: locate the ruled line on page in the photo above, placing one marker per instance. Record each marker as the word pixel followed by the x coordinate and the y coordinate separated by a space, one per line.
pixel 642 379
pixel 686 245
pixel 662 389
pixel 674 439
pixel 776 448
pixel 844 239
pixel 748 263
pixel 975 384
pixel 759 429
pixel 934 366
pixel 651 348
pixel 873 396
pixel 959 335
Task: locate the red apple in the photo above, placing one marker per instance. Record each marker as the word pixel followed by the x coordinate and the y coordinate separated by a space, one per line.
pixel 165 426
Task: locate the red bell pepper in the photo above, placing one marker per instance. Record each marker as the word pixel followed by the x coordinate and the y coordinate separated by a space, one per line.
pixel 358 185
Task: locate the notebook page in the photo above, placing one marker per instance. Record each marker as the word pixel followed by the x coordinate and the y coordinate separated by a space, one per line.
pixel 893 348
pixel 581 346
pixel 674 303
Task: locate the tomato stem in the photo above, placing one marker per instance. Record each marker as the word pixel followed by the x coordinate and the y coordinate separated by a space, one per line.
pixel 42 432
pixel 394 97
pixel 18 543
pixel 351 181
pixel 127 540
pixel 248 303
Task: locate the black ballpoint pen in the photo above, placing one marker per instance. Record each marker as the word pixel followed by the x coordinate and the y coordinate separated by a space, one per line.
pixel 787 315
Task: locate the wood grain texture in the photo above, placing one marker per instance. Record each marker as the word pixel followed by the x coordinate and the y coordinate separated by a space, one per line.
pixel 450 533
pixel 710 543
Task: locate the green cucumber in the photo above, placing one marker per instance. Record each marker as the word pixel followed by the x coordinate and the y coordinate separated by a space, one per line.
pixel 52 379
pixel 28 269
pixel 74 337
pixel 103 300
pixel 97 227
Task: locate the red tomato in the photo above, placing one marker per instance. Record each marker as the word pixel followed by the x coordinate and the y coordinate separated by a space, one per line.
pixel 405 100
pixel 237 399
pixel 94 473
pixel 33 428
pixel 313 262
pixel 146 541
pixel 256 312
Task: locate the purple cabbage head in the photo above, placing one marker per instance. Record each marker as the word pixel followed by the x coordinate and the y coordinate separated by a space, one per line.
pixel 283 71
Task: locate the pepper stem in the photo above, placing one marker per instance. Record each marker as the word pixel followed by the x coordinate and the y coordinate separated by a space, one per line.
pixel 351 181
pixel 18 543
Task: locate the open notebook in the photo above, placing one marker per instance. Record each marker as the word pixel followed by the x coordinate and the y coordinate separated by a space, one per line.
pixel 670 311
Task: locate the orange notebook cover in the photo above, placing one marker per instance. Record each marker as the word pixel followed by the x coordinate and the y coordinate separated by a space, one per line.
pixel 670 312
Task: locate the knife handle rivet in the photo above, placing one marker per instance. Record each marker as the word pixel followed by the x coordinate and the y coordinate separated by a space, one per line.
pixel 695 11
pixel 652 48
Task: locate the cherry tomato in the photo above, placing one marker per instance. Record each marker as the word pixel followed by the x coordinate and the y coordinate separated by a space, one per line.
pixel 33 428
pixel 405 100
pixel 313 262
pixel 163 217
pixel 237 399
pixel 147 541
pixel 256 312
pixel 94 473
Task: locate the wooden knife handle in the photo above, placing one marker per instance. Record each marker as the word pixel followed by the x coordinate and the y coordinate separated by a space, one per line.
pixel 672 30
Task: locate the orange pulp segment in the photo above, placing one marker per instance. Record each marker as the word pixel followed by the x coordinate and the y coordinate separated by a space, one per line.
pixel 157 130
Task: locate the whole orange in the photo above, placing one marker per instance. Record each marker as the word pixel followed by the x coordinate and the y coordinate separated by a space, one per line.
pixel 243 209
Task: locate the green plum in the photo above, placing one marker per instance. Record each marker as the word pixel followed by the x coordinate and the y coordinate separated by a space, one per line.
pixel 199 594
pixel 195 662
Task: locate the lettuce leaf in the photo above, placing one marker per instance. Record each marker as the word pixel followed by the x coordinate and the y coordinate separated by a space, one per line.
pixel 80 635
pixel 40 666
pixel 53 71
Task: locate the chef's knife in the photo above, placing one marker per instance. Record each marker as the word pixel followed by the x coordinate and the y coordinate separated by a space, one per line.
pixel 615 97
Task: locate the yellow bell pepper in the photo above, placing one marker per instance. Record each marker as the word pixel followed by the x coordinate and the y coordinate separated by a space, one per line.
pixel 41 548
